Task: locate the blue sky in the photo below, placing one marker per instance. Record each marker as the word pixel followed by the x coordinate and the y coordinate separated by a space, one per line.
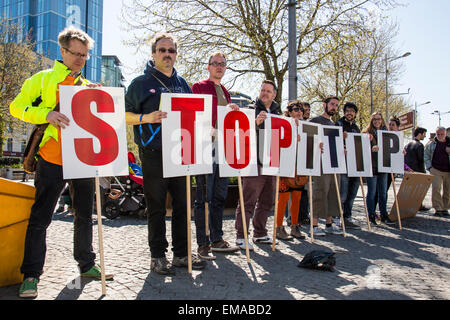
pixel 424 30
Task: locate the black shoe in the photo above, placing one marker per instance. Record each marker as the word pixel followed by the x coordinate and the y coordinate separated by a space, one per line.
pixel 423 208
pixel 373 220
pixel 438 213
pixel 350 225
pixel 445 213
pixel 387 221
pixel 305 221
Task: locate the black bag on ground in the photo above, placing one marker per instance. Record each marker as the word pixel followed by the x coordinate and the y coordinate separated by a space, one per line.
pixel 319 260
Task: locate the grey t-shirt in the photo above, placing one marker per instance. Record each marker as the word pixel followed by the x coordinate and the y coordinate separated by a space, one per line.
pixel 322 120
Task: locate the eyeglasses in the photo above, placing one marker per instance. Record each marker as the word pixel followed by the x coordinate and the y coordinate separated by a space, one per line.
pixel 170 50
pixel 218 64
pixel 296 109
pixel 376 119
pixel 78 55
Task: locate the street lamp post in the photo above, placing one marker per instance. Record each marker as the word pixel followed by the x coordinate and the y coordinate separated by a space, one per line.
pixel 415 115
pixel 389 59
pixel 437 112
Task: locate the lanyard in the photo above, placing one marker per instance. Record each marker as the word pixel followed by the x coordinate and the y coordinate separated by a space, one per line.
pixel 153 132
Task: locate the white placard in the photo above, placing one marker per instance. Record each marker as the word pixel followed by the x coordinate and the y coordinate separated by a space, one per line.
pixel 333 157
pixel 95 142
pixel 390 153
pixel 237 155
pixel 308 149
pixel 279 149
pixel 359 155
pixel 186 134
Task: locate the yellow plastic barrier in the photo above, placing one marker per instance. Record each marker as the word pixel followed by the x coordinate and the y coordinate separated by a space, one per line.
pixel 16 200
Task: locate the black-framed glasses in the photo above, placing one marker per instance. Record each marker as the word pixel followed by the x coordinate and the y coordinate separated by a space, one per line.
pixel 297 109
pixel 170 50
pixel 218 64
pixel 78 55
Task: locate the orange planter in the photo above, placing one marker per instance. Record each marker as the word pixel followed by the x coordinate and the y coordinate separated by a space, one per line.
pixel 16 200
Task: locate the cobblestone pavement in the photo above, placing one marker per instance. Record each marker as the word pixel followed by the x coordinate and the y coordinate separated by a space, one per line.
pixel 386 263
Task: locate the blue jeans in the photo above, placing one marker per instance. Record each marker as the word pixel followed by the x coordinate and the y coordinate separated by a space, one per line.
pixel 348 192
pixel 217 194
pixel 377 185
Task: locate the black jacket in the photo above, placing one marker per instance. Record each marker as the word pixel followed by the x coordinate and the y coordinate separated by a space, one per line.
pixel 259 107
pixel 144 95
pixel 346 126
pixel 414 156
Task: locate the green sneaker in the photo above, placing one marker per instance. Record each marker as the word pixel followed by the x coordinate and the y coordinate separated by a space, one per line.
pixel 95 273
pixel 28 289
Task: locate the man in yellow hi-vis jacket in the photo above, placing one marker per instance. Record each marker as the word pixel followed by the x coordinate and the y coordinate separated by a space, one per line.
pixel 35 104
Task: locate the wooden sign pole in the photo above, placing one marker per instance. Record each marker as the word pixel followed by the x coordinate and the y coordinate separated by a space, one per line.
pixel 100 234
pixel 339 204
pixel 275 214
pixel 396 201
pixel 188 204
pixel 365 204
pixel 244 223
pixel 311 215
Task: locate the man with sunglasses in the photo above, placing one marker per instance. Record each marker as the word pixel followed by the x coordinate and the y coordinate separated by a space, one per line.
pixel 142 111
pixel 38 103
pixel 349 186
pixel 211 188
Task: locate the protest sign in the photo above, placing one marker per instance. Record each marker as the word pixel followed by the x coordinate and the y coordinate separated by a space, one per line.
pixel 359 159
pixel 186 134
pixel 413 190
pixel 237 155
pixel 333 157
pixel 279 146
pixel 308 150
pixel 390 153
pixel 95 142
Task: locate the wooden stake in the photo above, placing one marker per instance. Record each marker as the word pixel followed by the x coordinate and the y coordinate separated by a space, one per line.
pixel 244 222
pixel 188 203
pixel 311 215
pixel 396 201
pixel 339 204
pixel 100 234
pixel 365 204
pixel 275 214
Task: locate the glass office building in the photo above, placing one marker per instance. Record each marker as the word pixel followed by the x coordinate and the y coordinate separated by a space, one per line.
pixel 46 18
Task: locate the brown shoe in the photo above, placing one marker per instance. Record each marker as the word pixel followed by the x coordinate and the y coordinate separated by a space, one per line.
pixel 204 252
pixel 223 246
pixel 296 233
pixel 282 234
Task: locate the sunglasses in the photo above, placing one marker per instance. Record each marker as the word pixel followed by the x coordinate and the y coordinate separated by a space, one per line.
pixel 296 109
pixel 170 50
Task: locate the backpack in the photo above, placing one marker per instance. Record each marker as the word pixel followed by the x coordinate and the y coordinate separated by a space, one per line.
pixel 319 260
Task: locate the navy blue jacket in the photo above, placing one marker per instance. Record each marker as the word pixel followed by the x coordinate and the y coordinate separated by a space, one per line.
pixel 143 96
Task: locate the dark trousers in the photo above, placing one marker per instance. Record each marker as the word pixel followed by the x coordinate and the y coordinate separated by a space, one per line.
pixel 259 195
pixel 216 189
pixel 49 184
pixel 155 191
pixel 304 206
pixel 348 191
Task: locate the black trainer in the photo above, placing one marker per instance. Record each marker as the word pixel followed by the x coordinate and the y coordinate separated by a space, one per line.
pixel 373 220
pixel 387 221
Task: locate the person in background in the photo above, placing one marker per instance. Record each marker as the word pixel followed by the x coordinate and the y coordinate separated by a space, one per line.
pixel 437 161
pixel 38 103
pixel 259 191
pixel 377 184
pixel 212 187
pixel 325 200
pixel 290 189
pixel 349 185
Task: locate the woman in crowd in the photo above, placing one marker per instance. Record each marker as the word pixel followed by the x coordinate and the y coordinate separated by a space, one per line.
pixel 291 188
pixel 377 184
